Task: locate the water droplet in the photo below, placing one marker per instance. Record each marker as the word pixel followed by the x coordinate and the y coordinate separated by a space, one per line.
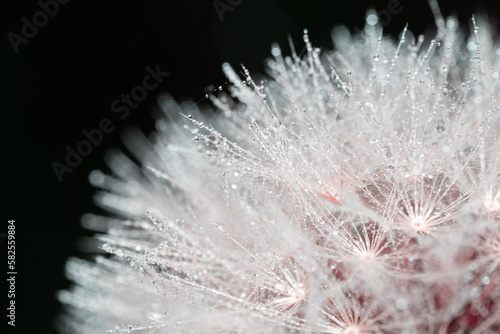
pixel 372 19
pixel 401 304
pixel 471 46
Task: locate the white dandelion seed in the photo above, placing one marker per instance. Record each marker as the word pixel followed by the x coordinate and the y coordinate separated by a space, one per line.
pixel 354 191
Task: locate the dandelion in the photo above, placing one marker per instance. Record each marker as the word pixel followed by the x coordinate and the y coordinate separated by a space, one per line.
pixel 352 191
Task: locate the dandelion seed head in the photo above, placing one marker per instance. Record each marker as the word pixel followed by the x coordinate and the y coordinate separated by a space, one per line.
pixel 351 191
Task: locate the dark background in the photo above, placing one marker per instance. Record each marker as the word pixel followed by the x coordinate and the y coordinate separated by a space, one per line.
pixel 65 78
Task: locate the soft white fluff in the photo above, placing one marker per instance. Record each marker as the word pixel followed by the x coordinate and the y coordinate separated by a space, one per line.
pixel 351 191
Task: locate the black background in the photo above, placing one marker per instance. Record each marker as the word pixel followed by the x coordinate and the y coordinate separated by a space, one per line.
pixel 65 78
